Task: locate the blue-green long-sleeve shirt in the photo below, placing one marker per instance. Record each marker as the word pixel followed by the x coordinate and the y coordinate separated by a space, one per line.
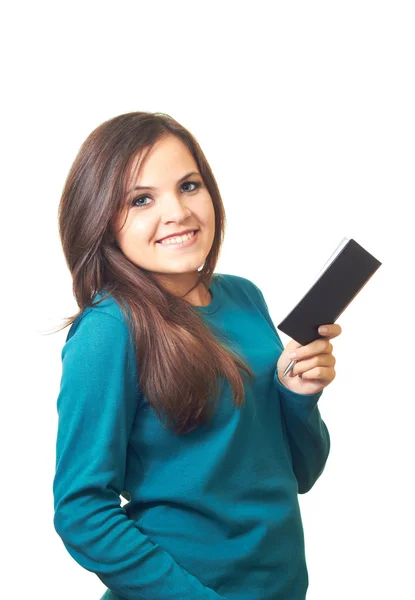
pixel 212 514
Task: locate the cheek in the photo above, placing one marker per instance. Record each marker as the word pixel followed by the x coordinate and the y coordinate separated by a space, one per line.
pixel 131 240
pixel 207 212
pixel 137 230
pixel 211 219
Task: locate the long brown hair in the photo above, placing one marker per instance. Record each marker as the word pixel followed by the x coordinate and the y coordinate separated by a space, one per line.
pixel 161 323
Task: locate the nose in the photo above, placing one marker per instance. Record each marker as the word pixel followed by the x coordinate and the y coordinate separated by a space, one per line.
pixel 174 209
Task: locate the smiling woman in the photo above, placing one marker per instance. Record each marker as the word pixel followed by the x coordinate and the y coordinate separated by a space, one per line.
pixel 169 394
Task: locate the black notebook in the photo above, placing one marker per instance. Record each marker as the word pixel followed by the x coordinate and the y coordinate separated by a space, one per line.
pixel 343 276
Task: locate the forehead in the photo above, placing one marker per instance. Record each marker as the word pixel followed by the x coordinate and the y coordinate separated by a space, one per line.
pixel 164 159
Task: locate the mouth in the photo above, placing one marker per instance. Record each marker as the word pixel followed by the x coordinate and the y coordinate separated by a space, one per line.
pixel 185 244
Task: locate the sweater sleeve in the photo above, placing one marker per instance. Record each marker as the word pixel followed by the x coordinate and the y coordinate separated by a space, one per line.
pixel 305 431
pixel 307 435
pixel 96 408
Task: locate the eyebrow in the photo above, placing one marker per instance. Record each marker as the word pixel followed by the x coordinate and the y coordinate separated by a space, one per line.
pixel 149 187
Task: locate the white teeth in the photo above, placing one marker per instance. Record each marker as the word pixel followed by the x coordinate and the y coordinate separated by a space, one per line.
pixel 178 239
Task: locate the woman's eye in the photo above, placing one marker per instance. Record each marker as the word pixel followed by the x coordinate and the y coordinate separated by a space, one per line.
pixel 133 202
pixel 192 183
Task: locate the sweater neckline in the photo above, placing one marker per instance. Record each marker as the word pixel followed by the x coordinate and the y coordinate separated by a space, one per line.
pixel 209 309
pixel 214 304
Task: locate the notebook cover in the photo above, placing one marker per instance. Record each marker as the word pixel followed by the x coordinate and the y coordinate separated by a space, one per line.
pixel 331 294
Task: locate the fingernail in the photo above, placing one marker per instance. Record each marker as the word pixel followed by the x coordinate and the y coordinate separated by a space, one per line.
pixel 293 355
pixel 322 330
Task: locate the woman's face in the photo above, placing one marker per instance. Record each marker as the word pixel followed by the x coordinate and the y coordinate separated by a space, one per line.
pixel 176 203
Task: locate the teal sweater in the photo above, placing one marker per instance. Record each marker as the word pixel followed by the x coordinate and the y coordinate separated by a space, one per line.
pixel 213 514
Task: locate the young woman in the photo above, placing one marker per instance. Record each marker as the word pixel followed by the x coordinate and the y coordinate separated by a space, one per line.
pixel 172 392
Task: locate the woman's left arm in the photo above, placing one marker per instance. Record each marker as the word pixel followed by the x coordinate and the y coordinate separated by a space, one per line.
pixel 307 434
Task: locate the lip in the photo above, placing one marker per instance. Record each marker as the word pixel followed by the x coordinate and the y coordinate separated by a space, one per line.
pixel 185 244
pixel 177 234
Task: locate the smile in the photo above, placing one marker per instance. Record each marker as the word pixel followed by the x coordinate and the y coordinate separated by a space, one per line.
pixel 173 244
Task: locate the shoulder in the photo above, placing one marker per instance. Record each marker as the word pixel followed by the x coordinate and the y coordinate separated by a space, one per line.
pixel 104 321
pixel 98 354
pixel 239 283
pixel 246 291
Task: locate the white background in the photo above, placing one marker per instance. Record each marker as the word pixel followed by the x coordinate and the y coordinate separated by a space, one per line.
pixel 305 111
